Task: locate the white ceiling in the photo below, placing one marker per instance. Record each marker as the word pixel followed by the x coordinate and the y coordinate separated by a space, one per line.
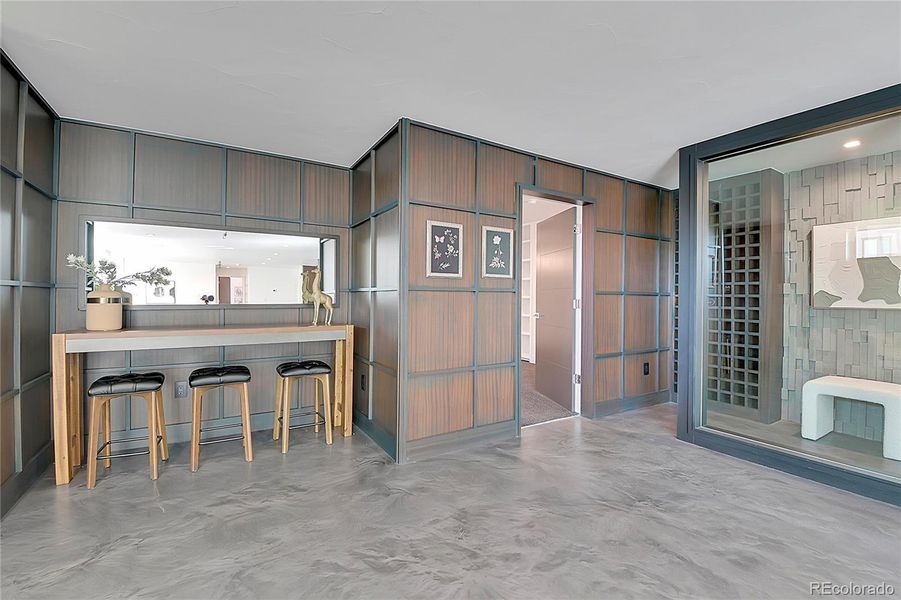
pixel 614 86
pixel 876 137
pixel 210 246
pixel 535 209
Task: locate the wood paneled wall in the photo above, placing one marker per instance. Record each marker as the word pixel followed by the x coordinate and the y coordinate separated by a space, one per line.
pixel 375 289
pixel 633 293
pixel 27 208
pixel 460 333
pixel 113 172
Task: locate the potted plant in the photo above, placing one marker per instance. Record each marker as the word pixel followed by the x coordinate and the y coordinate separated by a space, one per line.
pixel 104 302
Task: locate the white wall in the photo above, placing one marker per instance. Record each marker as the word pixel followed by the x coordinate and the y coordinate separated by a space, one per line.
pixel 273 285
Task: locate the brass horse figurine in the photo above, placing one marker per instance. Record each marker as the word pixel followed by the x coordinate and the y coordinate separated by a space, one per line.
pixel 319 299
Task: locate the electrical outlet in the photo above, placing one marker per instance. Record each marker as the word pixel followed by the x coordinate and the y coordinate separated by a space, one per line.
pixel 647 368
pixel 181 389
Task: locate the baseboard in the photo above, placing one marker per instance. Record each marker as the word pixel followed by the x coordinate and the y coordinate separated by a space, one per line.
pixel 459 440
pixel 612 407
pixel 15 487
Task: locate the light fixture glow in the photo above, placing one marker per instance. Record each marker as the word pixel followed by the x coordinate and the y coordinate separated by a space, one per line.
pixel 851 144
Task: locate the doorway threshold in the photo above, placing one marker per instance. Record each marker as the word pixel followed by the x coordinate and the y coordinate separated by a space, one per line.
pixel 573 416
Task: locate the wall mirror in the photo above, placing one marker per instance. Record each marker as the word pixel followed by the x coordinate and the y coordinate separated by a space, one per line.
pixel 214 266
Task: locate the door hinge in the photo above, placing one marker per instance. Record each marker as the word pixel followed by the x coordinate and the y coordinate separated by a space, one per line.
pixel 577 228
pixel 577 304
pixel 577 379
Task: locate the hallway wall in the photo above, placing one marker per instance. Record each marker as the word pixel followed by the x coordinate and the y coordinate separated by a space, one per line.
pixel 27 211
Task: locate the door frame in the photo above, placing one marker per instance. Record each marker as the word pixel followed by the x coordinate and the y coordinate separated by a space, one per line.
pixel 585 325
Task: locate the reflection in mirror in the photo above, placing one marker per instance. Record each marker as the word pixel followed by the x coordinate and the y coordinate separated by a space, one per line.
pixel 213 266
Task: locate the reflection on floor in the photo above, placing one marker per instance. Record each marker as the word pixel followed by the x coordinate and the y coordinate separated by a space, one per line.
pixel 838 447
pixel 613 508
pixel 535 407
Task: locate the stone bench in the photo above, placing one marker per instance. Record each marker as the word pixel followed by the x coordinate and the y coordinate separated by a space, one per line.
pixel 818 407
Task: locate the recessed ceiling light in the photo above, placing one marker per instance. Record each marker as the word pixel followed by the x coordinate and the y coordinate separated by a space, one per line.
pixel 852 144
pixel 533 200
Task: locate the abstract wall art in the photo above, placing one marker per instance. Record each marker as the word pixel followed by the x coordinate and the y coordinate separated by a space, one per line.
pixel 857 264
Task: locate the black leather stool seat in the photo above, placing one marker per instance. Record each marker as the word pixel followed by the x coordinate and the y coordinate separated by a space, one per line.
pixel 128 383
pixel 299 368
pixel 219 375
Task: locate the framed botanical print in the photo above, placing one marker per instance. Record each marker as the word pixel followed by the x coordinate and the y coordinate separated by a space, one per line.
pixel 497 252
pixel 444 247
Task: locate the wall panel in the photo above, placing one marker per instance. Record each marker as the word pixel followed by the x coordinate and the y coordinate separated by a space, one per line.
pixel 37 215
pixel 7 438
pixel 35 419
pixel 560 177
pixel 95 163
pixel 34 341
pixel 387 250
pixel 359 316
pixel 440 330
pixel 326 195
pixel 7 362
pixel 39 144
pixel 608 379
pixel 361 260
pixel 640 322
pixel 497 320
pixel 499 172
pixel 7 226
pixel 385 328
pixel 175 174
pixel 263 186
pixel 637 383
pixel 9 117
pixel 641 265
pixel 361 203
pixel 495 395
pixel 642 208
pixel 608 324
pixel 442 168
pixel 384 400
pixel 387 172
pixel 608 193
pixel 438 404
pixel 608 264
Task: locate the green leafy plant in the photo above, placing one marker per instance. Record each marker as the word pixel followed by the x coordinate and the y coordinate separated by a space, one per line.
pixel 104 272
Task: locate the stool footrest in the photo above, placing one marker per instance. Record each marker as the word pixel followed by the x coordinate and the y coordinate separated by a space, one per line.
pixel 320 421
pixel 226 438
pixel 159 439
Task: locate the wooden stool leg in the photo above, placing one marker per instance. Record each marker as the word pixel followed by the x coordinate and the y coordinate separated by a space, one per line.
pixel 161 424
pixel 286 413
pixel 92 441
pixel 279 382
pixel 327 402
pixel 245 418
pixel 316 407
pixel 107 434
pixel 151 436
pixel 196 400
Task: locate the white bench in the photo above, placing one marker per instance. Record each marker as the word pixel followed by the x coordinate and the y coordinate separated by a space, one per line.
pixel 818 407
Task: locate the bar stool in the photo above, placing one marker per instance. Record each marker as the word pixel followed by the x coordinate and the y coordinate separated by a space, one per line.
pixel 105 389
pixel 208 378
pixel 288 372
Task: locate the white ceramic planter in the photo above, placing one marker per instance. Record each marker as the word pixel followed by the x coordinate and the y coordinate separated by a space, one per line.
pixel 104 309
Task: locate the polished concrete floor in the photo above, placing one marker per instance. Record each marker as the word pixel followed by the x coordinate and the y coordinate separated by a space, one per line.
pixel 576 509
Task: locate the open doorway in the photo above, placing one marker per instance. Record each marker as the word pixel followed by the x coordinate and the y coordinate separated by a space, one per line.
pixel 551 307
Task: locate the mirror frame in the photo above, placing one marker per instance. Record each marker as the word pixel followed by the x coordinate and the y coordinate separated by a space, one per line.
pixel 81 284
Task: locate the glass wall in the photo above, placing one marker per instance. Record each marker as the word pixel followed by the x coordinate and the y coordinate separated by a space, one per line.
pixel 802 311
